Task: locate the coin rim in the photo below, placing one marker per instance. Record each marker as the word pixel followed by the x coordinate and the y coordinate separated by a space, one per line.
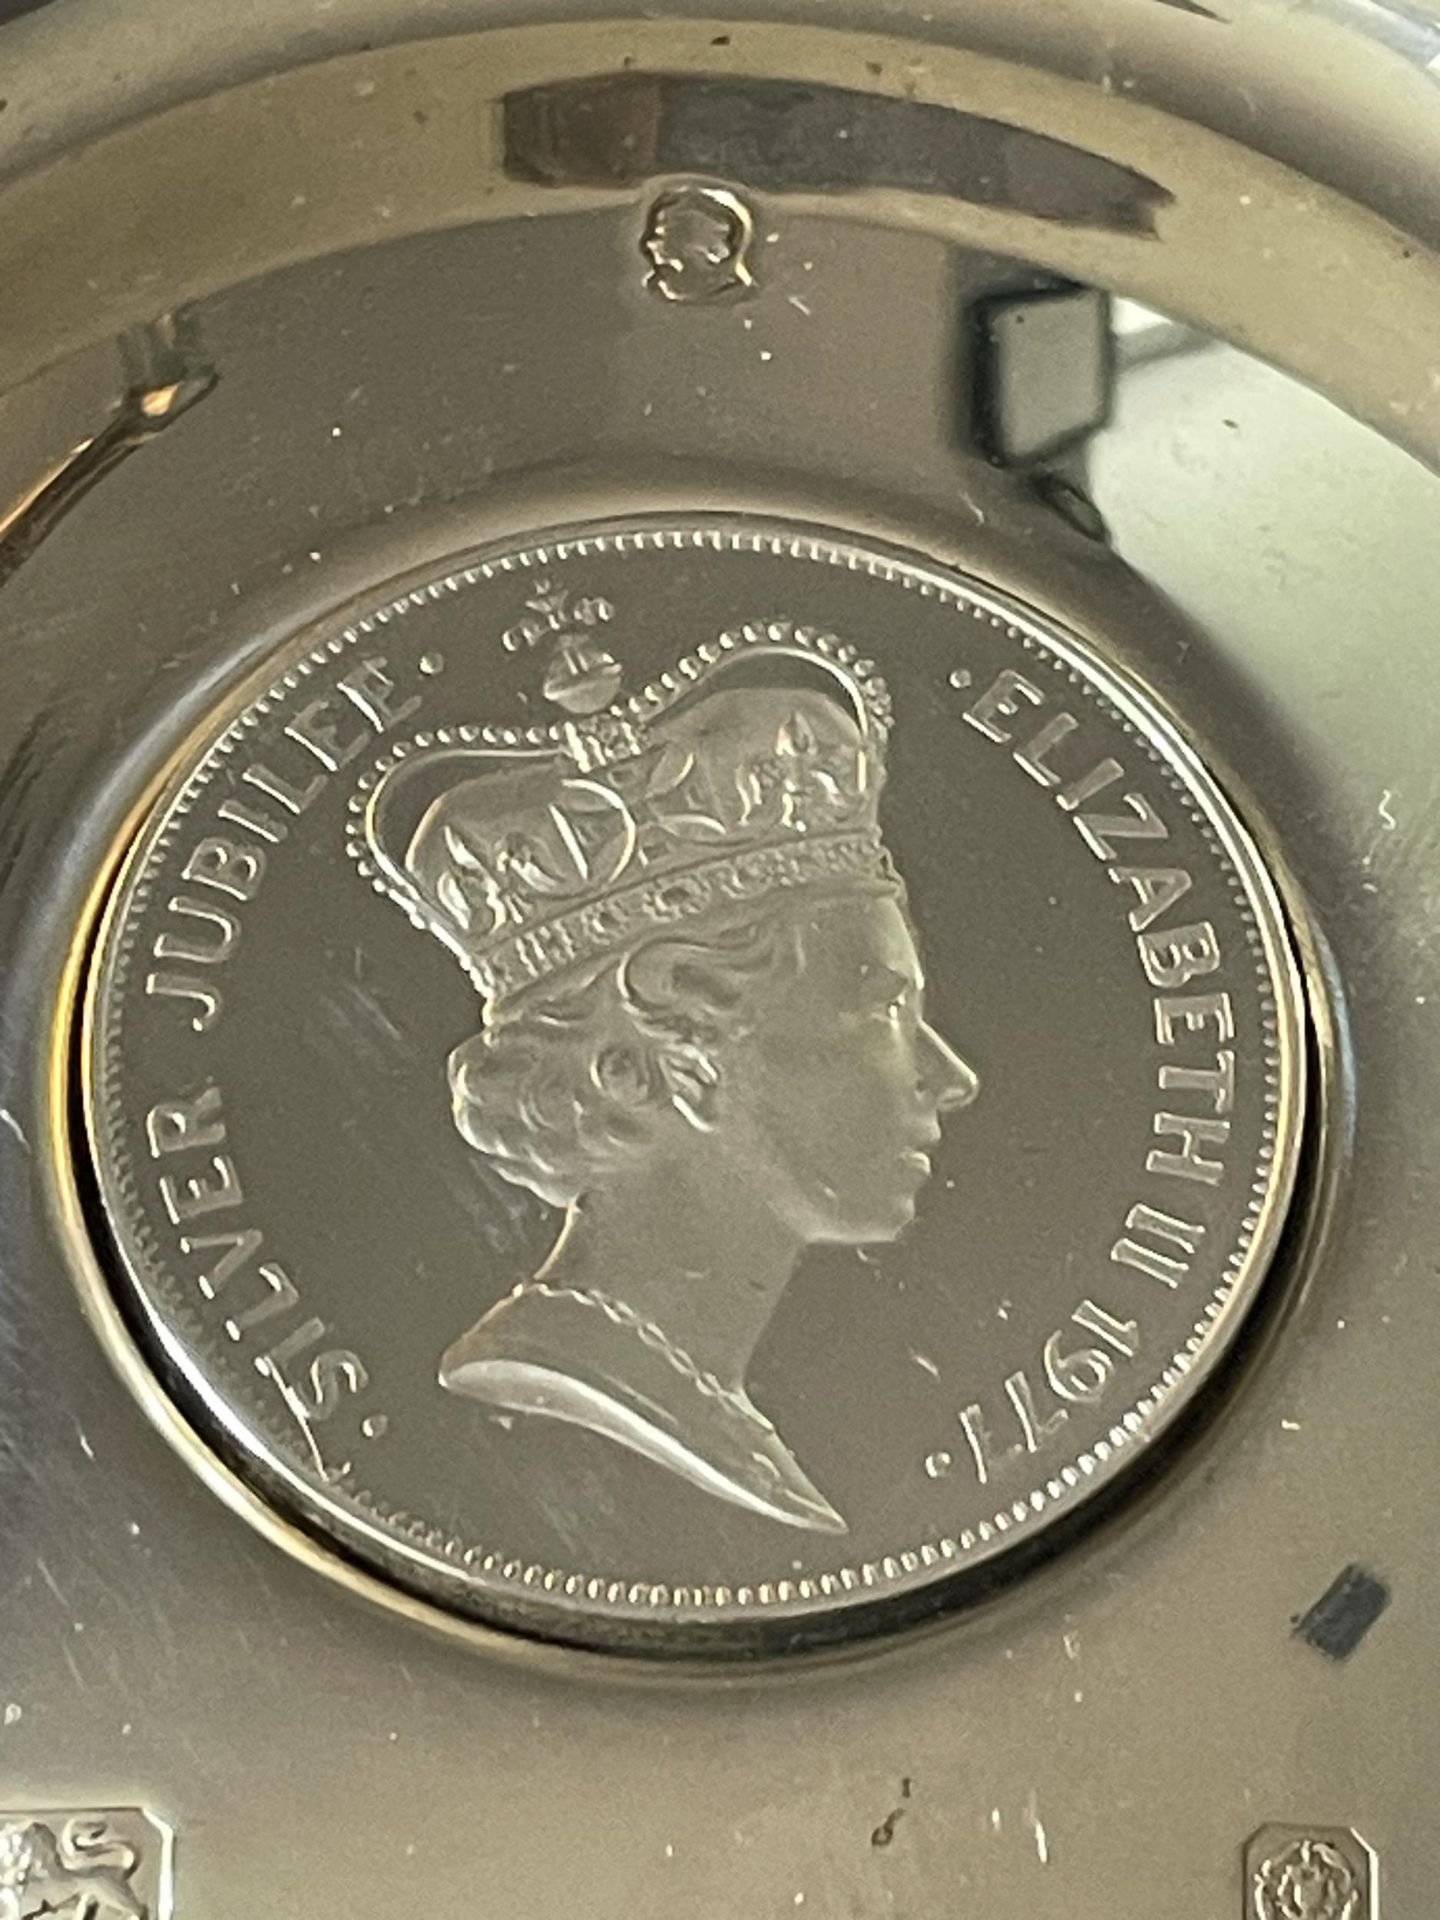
pixel 497 1592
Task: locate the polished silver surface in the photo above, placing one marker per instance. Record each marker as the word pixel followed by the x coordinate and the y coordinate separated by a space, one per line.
pixel 371 224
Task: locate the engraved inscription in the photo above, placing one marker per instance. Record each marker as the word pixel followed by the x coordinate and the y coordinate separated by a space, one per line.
pixel 1172 956
pixel 1158 1244
pixel 1191 1160
pixel 205 924
pixel 104 1863
pixel 1071 1371
pixel 250 1291
pixel 1194 1020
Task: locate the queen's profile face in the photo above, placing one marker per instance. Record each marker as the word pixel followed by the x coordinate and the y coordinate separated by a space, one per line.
pixel 834 1093
pixel 704 1047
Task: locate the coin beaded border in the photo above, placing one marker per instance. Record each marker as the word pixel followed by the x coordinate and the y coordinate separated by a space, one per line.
pixel 410 1535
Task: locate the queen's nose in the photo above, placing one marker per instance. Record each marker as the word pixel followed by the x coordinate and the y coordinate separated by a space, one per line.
pixel 952 1081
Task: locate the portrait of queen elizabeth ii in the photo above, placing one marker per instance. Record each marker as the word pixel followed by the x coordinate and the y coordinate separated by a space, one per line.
pixel 701 1035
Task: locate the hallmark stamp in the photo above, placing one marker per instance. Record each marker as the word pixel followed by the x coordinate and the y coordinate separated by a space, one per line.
pixel 1310 1873
pixel 93 1863
pixel 698 242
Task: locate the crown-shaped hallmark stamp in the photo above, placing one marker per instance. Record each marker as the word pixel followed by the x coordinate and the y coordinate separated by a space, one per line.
pixel 753 765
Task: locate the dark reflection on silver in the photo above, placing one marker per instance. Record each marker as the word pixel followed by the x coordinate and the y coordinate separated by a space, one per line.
pixel 619 130
pixel 1044 376
pixel 697 971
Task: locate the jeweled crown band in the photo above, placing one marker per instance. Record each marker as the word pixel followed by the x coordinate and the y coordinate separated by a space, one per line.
pixel 622 920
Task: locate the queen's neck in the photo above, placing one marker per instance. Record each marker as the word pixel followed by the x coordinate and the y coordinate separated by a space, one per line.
pixel 696 1254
